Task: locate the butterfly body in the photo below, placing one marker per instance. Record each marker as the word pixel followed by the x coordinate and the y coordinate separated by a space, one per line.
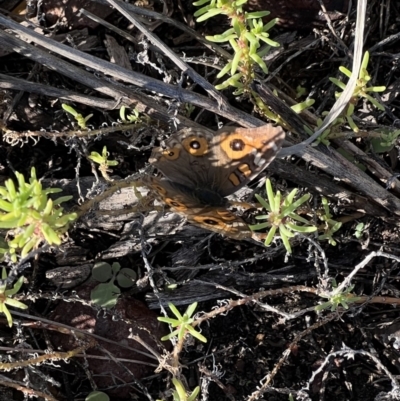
pixel 200 169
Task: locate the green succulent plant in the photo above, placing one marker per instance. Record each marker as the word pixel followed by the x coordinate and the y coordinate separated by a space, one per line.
pixel 31 216
pixel 6 297
pixel 281 216
pixel 107 293
pixel 182 322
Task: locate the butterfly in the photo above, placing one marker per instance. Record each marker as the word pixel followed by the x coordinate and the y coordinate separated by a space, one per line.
pixel 200 169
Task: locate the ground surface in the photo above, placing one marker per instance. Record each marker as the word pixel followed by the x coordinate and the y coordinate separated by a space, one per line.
pixel 267 346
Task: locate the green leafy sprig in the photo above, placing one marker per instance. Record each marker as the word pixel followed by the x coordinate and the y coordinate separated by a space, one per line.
pixel 337 298
pixel 182 322
pixel 80 120
pixel 362 90
pixel 247 34
pixel 282 217
pixel 6 297
pixel 104 163
pixel 31 215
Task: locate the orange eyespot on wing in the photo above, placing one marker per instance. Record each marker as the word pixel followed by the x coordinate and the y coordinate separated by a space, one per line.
pixel 237 142
pixel 175 205
pixel 235 147
pixel 159 189
pixel 171 153
pixel 196 146
pixel 209 221
pixel 226 215
pixel 223 222
pixel 166 193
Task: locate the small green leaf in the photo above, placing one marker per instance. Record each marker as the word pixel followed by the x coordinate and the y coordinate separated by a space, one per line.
pixel 301 229
pixel 283 230
pixel 264 204
pixel 268 41
pixel 224 37
pixel 195 393
pixel 260 226
pixel 6 206
pixel 16 304
pixel 112 163
pixel 286 243
pixel 17 286
pixel 105 295
pixel 61 199
pixel 271 197
pixel 345 71
pixel 270 236
pixel 210 13
pixel 299 218
pixel 29 246
pixel 299 107
pixel 50 235
pixel 96 157
pixel 97 396
pixel 196 334
pixel 375 103
pixel 170 335
pixel 296 204
pixel 48 209
pixel 126 278
pixel 69 109
pixel 175 311
pixel 376 89
pixel 191 308
pixel 8 314
pixel 224 70
pixel 200 2
pixel 260 62
pixel 180 389
pixel 115 267
pixel 10 186
pixel 365 61
pixel 270 25
pixel 3 277
pixel 203 10
pixel 338 83
pixel 235 62
pixel 102 271
pixel 257 14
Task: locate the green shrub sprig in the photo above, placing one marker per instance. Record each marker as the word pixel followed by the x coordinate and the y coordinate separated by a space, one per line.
pixel 247 34
pixel 6 297
pixel 80 120
pixel 337 297
pixel 281 216
pixel 31 216
pixel 362 90
pixel 103 162
pixel 182 322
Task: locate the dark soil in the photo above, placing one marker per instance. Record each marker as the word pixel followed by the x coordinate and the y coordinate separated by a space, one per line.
pixel 269 347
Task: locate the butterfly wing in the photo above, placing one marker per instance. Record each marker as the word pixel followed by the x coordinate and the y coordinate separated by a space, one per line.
pixel 223 162
pixel 213 218
pixel 221 221
pixel 245 152
pixel 185 159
